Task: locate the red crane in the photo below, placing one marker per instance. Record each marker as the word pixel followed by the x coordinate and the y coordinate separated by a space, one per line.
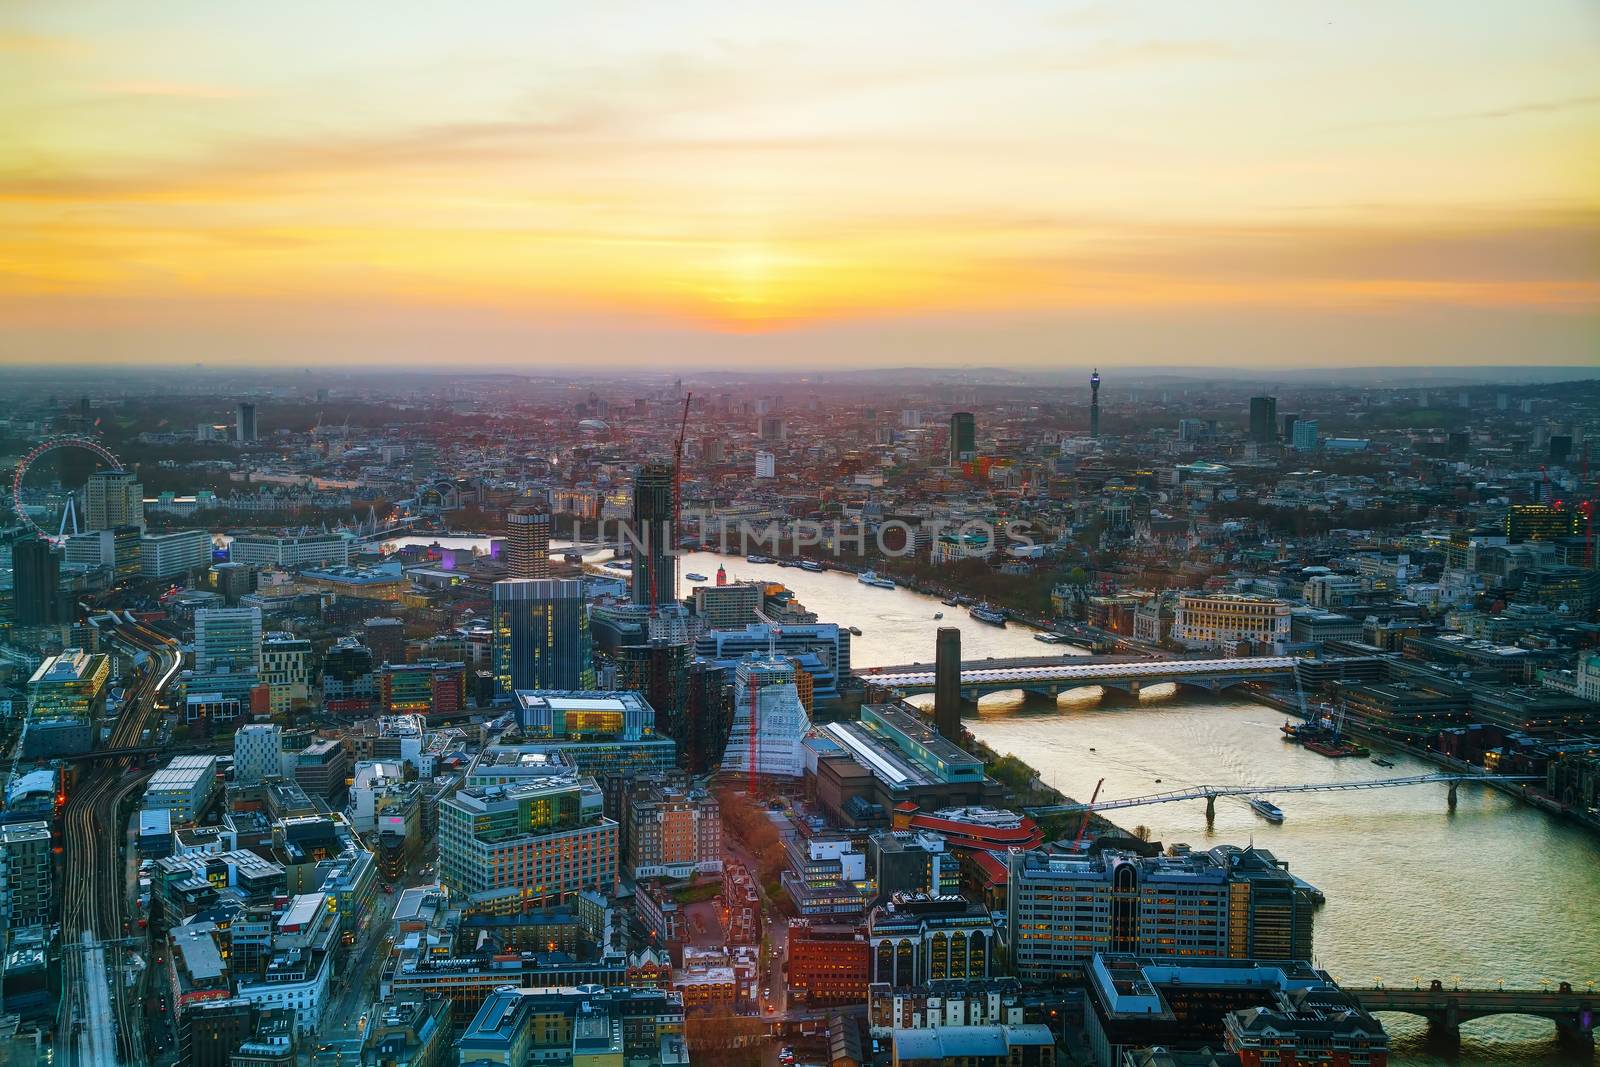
pixel 1083 827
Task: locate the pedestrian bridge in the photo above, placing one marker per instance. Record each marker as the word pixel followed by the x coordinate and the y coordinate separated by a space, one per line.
pixel 1051 677
pixel 1575 1012
pixel 1210 793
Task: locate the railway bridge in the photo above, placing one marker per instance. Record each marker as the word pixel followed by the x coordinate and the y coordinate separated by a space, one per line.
pixel 1575 1012
pixel 1052 676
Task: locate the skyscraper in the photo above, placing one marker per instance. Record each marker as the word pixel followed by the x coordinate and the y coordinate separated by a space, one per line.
pixel 244 427
pixel 1263 419
pixel 963 437
pixel 1094 403
pixel 655 568
pixel 540 635
pixel 36 582
pixel 528 544
pixel 113 498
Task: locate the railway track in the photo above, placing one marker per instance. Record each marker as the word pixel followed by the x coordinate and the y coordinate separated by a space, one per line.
pixel 94 900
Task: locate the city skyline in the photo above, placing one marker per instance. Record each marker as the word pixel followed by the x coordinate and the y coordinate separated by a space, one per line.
pixel 828 187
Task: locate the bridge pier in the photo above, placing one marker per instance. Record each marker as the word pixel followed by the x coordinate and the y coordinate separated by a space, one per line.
pixel 1444 1026
pixel 1211 810
pixel 1575 1030
pixel 1450 798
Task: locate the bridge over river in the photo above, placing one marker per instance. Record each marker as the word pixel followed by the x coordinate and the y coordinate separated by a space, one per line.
pixel 1575 1012
pixel 1210 793
pixel 1049 676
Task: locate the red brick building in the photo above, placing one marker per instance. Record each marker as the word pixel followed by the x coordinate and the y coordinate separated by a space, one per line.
pixel 829 963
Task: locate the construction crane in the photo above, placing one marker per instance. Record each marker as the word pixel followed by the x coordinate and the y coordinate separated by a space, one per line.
pixel 1083 827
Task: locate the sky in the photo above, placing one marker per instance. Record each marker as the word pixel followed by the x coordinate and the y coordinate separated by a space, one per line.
pixel 782 186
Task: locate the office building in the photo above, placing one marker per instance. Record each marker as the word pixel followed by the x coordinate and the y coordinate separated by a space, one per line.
pixel 541 635
pixel 257 752
pixel 26 883
pixel 994 1001
pixel 729 607
pixel 291 551
pixel 1305 435
pixel 963 437
pixel 386 637
pixel 299 961
pixel 111 499
pixel 321 768
pixel 211 1025
pixel 1542 522
pixel 1063 908
pixel 829 963
pixel 505 850
pixel 436 691
pixel 660 670
pixel 349 683
pixel 66 696
pixel 766 465
pixel 227 639
pixel 611 734
pixel 244 424
pixel 918 938
pixel 769 720
pixel 1263 419
pixel 286 670
pixel 232 581
pixel 1217 620
pixel 772 428
pixel 1262 1012
pixel 173 555
pixel 655 566
pixel 828 641
pixel 412 1032
pixel 36 583
pixel 826 877
pixel 527 551
pixel 673 830
pixel 185 787
pixel 1028 1045
pixel 590 1026
pixel 902 861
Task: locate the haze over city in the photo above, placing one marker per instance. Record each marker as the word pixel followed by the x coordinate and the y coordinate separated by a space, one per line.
pixel 820 185
pixel 1040 534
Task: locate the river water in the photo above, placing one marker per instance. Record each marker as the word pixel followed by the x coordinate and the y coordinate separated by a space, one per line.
pixel 1494 891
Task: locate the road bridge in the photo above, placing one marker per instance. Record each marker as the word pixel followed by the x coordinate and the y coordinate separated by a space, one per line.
pixel 1575 1012
pixel 1051 677
pixel 1210 793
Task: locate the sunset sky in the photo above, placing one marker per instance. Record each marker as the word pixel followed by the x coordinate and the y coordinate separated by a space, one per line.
pixel 781 186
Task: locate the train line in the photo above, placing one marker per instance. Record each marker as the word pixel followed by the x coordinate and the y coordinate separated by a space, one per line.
pixel 97 1022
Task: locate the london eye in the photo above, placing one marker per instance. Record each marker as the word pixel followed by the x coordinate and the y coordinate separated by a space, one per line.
pixel 52 444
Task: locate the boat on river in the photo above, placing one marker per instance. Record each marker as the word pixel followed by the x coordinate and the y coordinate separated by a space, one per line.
pixel 873 579
pixel 1048 638
pixel 811 565
pixel 694 577
pixel 1266 809
pixel 984 613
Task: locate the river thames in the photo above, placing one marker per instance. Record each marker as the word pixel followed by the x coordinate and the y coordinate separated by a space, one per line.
pixel 1492 891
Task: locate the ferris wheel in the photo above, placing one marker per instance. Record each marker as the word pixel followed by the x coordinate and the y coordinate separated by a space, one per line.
pixel 51 444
